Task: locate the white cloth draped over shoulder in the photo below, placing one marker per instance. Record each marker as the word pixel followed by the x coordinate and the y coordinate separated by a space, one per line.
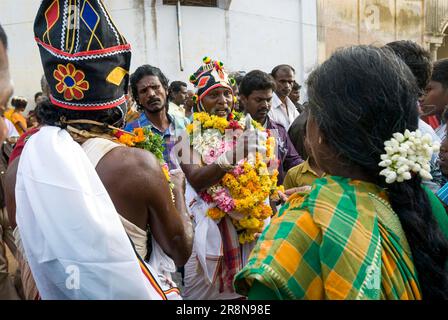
pixel 208 252
pixel 207 240
pixel 96 149
pixel 72 235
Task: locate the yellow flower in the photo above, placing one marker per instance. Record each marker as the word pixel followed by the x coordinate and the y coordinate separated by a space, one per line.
pixel 249 189
pixel 221 124
pixel 266 212
pixel 190 128
pixel 270 145
pixel 201 116
pixel 216 213
pixel 250 223
pixel 139 135
pixel 257 125
pixel 247 167
pixel 166 173
pixel 246 237
pixel 208 124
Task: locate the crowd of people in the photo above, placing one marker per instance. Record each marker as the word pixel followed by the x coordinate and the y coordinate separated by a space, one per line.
pixel 121 186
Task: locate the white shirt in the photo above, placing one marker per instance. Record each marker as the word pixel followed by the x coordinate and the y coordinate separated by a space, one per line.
pixel 175 110
pixel 426 128
pixel 278 111
pixel 12 131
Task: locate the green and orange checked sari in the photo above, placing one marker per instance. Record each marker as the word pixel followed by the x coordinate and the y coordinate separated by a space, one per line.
pixel 342 241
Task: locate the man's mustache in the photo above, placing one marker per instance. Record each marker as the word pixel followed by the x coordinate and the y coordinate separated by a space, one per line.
pixel 153 100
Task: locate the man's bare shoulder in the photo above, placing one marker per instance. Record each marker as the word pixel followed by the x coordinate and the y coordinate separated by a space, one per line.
pixel 131 158
pixel 130 168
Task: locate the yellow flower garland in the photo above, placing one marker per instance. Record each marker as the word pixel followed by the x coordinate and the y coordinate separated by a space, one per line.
pixel 250 189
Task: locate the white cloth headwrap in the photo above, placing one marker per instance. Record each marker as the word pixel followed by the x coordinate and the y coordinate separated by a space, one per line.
pixel 73 238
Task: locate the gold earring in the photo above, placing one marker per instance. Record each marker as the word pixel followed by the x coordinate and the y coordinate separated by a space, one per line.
pixel 320 140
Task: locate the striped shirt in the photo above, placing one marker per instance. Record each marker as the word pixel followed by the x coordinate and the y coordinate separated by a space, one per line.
pixel 443 194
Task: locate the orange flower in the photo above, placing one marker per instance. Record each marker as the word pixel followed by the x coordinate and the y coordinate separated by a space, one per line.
pixel 266 211
pixel 140 135
pixel 126 139
pixel 216 213
pixel 270 144
pixel 70 82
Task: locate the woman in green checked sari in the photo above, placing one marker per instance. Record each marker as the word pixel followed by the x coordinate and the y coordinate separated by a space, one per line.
pixel 359 233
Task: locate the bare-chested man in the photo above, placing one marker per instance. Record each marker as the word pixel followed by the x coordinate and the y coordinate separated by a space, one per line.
pixel 57 162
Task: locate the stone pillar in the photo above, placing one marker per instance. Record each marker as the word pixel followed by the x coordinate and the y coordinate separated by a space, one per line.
pixel 433 43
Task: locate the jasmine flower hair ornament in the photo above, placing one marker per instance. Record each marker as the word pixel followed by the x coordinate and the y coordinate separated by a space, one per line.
pixel 407 154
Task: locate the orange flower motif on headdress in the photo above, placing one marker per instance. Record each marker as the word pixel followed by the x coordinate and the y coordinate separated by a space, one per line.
pixel 71 82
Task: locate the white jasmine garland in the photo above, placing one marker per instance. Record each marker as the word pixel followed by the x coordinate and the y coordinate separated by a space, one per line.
pixel 209 139
pixel 242 122
pixel 407 153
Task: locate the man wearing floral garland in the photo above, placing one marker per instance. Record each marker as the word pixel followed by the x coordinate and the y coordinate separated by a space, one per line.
pixel 228 185
pixel 256 91
pixel 82 212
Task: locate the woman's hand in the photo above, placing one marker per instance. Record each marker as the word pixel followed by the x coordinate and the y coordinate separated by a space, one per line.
pixel 285 195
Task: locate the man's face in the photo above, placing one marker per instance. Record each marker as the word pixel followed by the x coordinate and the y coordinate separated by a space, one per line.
pixel 189 103
pixel 40 99
pixel 180 97
pixel 258 104
pixel 218 101
pixel 295 95
pixel 434 100
pixel 6 88
pixel 284 78
pixel 443 157
pixel 151 94
pixel 236 93
pixel 20 109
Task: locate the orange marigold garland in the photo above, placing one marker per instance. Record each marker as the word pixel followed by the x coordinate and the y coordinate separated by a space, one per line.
pixel 144 138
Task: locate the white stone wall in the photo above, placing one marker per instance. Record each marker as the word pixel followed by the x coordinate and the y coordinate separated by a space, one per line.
pixel 252 34
pixel 17 17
